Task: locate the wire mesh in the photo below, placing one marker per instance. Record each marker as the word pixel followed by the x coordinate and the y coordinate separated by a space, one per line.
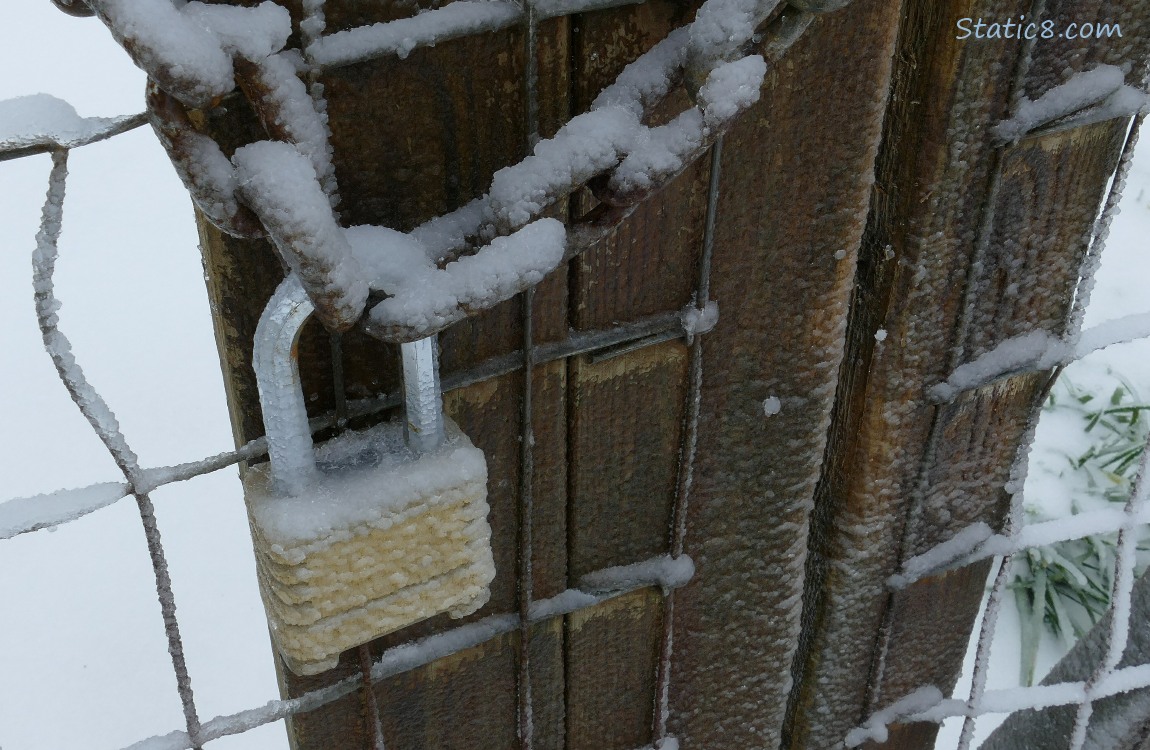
pixel 980 543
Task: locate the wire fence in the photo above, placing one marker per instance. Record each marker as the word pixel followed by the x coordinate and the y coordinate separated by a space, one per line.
pixel 690 55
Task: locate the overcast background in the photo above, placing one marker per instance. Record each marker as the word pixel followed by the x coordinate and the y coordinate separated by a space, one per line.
pixel 83 661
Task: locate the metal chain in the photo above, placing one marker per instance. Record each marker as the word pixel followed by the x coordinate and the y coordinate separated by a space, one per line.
pixel 178 103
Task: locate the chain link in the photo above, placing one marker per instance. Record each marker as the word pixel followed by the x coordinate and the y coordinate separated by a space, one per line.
pixel 180 97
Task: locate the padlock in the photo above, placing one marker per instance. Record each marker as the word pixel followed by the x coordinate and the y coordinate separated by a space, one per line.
pixel 371 531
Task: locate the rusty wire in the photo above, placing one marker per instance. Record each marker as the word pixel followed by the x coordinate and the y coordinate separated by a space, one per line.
pixel 100 417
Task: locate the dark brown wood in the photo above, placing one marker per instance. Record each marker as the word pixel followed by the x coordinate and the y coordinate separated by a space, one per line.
pixel 794 190
pixel 625 418
pixel 951 211
pixel 1056 59
pixel 451 702
pixel 548 706
pixel 611 655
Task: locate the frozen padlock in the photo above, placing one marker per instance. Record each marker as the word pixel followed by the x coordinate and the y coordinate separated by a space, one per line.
pixel 371 531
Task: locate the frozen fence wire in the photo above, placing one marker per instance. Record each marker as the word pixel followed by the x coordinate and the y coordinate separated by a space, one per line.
pixel 40 123
pixel 103 421
pixel 929 704
pixel 661 571
pixel 25 514
pixel 1030 353
pixel 1038 351
pixel 977 542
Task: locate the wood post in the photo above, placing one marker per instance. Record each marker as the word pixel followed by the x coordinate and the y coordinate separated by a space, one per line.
pixel 863 192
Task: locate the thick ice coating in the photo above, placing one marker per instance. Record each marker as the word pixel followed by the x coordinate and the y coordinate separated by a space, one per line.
pixel 185 58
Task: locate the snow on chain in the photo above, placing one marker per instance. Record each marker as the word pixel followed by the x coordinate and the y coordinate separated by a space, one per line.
pixel 189 51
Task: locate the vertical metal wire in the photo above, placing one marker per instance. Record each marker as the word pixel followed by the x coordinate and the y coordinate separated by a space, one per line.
pixel 370 704
pixel 526 588
pixel 687 450
pixel 1124 561
pixel 337 379
pixel 1102 230
pixel 96 411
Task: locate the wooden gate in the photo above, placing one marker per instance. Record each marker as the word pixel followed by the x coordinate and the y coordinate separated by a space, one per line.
pixel 870 233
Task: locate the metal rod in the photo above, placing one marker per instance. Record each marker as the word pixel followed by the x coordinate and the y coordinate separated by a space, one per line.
pixel 526 532
pixel 96 411
pixel 687 451
pixel 526 589
pixel 422 395
pixel 370 703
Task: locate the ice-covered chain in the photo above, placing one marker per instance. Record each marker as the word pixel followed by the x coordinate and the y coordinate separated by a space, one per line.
pixel 483 253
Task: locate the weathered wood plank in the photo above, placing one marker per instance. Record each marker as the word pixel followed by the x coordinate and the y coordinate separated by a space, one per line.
pixel 458 702
pixel 1049 193
pixel 625 412
pixel 625 432
pixel 894 458
pixel 549 502
pixel 933 167
pixel 611 654
pixel 1056 58
pixel 794 190
pixel 548 705
pixel 1050 190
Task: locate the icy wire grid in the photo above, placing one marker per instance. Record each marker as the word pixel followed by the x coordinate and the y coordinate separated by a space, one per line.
pixel 636 180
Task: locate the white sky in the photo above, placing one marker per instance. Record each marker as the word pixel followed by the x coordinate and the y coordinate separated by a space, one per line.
pixel 83 660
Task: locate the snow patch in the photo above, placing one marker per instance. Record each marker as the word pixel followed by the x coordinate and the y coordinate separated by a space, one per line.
pixel 588 144
pixel 425 298
pixel 187 60
pixel 875 727
pixel 251 33
pixel 666 571
pixel 44 120
pixel 1039 350
pixel 280 185
pixel 1101 86
pixel 731 88
pixel 696 321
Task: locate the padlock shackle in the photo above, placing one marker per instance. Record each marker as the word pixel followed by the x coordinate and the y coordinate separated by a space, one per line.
pixel 275 358
pixel 422 395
